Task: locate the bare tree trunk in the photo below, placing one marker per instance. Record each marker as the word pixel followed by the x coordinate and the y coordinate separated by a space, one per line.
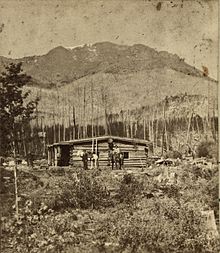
pixel 92 109
pixel 97 120
pixel 156 134
pixel 149 130
pixel 63 123
pixel 15 173
pixel 165 128
pixel 54 128
pixel 162 142
pixel 84 112
pixel 131 128
pixel 23 140
pixel 197 125
pixel 74 123
pixel 79 115
pixel 104 102
pixel 69 122
pixel 59 116
pixel 188 129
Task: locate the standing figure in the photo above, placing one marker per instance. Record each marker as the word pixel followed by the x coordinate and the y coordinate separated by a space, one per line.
pixel 121 160
pixel 146 150
pixel 85 160
pixel 116 155
pixel 110 151
pixel 95 160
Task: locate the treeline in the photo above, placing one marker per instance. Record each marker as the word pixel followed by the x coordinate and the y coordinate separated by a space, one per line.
pixel 160 132
pixel 174 122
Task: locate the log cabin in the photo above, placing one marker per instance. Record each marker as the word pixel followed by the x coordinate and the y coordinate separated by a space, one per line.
pixel 66 153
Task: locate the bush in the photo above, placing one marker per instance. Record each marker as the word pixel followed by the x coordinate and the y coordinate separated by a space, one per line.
pixel 165 226
pixel 81 191
pixel 207 149
pixel 43 231
pixel 129 188
pixel 173 154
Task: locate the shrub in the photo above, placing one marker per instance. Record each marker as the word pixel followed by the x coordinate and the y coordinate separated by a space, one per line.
pixel 207 149
pixel 165 226
pixel 173 154
pixel 82 191
pixel 43 231
pixel 129 188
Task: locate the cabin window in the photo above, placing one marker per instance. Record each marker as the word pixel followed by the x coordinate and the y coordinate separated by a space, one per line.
pixel 126 155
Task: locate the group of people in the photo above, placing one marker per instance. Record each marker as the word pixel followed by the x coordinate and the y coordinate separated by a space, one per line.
pixel 92 156
pixel 115 158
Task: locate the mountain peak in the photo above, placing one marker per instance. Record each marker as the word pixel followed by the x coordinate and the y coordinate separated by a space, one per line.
pixel 58 49
pixel 78 61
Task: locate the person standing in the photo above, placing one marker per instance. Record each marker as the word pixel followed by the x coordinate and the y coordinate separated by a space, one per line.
pixel 110 151
pixel 85 160
pixel 146 150
pixel 95 160
pixel 121 160
pixel 117 152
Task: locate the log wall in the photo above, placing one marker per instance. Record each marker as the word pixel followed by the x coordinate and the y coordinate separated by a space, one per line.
pixel 136 154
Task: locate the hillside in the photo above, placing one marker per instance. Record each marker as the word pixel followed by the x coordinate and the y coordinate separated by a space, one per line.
pixel 64 65
pixel 124 92
pixel 119 78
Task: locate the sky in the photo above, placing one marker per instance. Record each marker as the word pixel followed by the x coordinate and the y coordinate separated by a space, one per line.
pixel 188 28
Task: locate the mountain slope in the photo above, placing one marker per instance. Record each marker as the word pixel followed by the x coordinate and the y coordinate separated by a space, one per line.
pixel 121 92
pixel 62 66
pixel 120 78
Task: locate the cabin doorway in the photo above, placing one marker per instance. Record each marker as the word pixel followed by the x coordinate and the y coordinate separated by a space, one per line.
pixel 65 156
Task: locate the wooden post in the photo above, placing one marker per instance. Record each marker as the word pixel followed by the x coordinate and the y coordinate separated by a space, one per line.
pixel 144 129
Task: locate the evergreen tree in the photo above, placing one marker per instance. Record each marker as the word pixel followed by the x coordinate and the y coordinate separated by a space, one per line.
pixel 15 110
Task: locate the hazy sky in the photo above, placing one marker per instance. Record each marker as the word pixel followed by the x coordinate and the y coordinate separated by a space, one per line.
pixel 187 28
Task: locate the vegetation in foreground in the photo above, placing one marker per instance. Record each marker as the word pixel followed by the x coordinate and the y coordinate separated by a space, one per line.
pixel 97 211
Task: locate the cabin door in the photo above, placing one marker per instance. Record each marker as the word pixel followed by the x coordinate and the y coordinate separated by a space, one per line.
pixel 65 156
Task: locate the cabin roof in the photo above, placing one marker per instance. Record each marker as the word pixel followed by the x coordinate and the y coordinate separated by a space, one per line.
pixel 102 138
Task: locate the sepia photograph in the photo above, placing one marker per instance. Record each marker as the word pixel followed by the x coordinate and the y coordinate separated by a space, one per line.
pixel 109 129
